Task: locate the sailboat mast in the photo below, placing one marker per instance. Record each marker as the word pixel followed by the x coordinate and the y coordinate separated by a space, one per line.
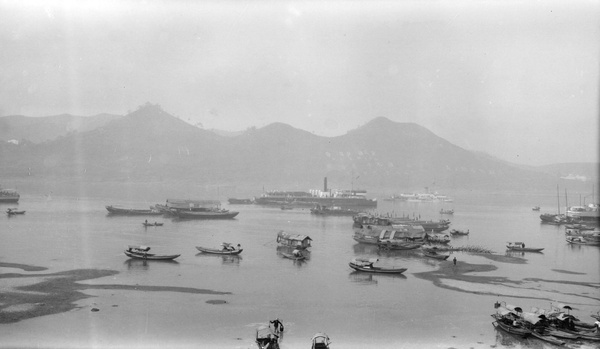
pixel 557 199
pixel 566 204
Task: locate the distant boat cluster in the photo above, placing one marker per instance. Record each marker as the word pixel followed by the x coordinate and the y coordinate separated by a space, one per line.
pixel 420 197
pixel 9 195
pixel 582 216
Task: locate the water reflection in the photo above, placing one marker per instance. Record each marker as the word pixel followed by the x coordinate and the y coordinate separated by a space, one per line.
pixel 507 339
pixel 225 258
pixel 231 259
pixel 513 341
pixel 365 249
pixel 362 278
pixel 510 253
pixel 141 264
pixel 575 247
pixel 283 250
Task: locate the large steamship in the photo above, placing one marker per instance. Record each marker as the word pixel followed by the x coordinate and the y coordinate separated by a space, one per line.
pixel 326 197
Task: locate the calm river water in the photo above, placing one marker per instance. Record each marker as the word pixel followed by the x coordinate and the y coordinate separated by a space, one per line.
pixel 323 294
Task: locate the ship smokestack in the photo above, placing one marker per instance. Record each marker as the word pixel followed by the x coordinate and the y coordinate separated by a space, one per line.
pixel 325 185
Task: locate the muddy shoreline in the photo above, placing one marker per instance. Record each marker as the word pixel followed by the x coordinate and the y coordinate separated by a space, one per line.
pixel 25 296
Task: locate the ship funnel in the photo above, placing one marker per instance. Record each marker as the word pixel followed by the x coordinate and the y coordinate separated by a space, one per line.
pixel 325 185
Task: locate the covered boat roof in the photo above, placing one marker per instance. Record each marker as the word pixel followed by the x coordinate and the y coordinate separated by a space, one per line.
pixel 514 308
pixel 289 236
pixel 503 311
pixel 139 247
pixel 320 335
pixel 263 332
pixel 562 306
pixel 532 317
pixel 402 232
pixel 364 260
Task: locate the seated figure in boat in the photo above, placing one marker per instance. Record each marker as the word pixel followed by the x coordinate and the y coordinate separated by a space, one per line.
pixel 228 247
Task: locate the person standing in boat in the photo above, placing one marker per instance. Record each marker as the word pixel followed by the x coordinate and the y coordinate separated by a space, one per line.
pixel 277 325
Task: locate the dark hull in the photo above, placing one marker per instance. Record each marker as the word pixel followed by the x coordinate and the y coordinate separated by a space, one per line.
pixel 234 201
pixel 399 246
pixel 512 330
pixel 132 211
pixel 377 269
pixel 205 215
pixel 442 257
pixel 291 256
pixel 548 339
pixel 526 249
pixel 9 199
pixel 327 212
pixel 312 201
pixel 218 251
pixel 151 256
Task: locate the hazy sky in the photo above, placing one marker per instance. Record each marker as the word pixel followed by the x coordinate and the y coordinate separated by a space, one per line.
pixel 516 79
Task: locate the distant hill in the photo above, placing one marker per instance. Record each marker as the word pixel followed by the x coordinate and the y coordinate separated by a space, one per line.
pixel 150 145
pixel 42 129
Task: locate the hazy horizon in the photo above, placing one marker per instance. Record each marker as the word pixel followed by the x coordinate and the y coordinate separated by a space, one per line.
pixel 518 80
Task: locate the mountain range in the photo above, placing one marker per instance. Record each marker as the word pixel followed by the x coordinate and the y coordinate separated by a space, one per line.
pixel 151 146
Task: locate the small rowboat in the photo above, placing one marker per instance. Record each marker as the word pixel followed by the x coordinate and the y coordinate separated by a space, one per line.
pixel 141 252
pixel 155 224
pixel 458 232
pixel 549 339
pixel 517 330
pixel 13 211
pixel 432 253
pixel 519 246
pixel 266 339
pixel 360 264
pixel 226 249
pixel 292 256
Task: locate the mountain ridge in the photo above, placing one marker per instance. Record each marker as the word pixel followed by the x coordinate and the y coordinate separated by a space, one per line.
pixel 150 145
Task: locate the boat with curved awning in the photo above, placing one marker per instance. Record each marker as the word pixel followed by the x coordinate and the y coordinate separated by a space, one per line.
pixel 226 249
pixel 363 264
pixel 320 341
pixel 520 247
pixel 141 252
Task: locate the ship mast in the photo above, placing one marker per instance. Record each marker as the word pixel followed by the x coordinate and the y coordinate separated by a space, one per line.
pixel 557 199
pixel 566 204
